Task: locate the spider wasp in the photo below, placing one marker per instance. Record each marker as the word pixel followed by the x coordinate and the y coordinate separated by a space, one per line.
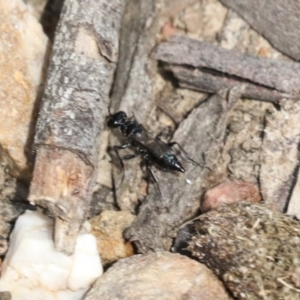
pixel 151 148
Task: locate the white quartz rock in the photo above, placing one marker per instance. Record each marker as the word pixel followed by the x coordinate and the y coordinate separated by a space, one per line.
pixel 33 269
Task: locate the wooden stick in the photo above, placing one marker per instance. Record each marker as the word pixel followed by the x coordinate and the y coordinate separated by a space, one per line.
pixel 197 79
pixel 73 112
pixel 267 74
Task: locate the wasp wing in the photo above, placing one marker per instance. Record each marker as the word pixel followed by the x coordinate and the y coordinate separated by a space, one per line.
pixel 151 143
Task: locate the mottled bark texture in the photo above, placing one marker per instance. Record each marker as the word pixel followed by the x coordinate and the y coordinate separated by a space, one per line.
pixel 73 112
pixel 207 67
pixel 211 82
pixel 278 23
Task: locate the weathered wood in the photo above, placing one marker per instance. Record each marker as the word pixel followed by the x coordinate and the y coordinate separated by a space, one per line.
pixel 61 184
pixel 73 111
pixel 204 81
pixel 267 73
pixel 278 23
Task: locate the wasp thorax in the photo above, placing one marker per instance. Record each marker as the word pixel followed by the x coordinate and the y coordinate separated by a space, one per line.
pixel 117 119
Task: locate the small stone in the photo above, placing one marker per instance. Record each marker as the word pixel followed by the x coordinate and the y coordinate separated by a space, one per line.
pixel 22 56
pixel 163 276
pixel 4 228
pixel 230 192
pixel 33 269
pixel 108 229
pixel 254 250
pixel 168 30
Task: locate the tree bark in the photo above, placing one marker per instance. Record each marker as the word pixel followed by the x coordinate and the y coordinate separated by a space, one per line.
pixel 73 112
pixel 267 74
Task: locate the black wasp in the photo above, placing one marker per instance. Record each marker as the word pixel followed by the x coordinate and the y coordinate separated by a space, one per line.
pixel 151 148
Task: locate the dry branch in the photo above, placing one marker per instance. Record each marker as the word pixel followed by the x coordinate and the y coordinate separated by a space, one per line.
pixel 204 66
pixel 202 80
pixel 73 112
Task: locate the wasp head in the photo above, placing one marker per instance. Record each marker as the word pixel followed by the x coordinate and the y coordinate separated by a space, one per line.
pixel 117 120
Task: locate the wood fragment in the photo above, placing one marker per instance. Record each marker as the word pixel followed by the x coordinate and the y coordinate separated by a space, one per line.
pixel 267 74
pixel 201 80
pixel 73 112
pixel 135 277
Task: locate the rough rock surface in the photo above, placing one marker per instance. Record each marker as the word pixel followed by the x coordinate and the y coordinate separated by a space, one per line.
pixel 163 276
pixel 23 53
pixel 280 24
pixel 229 192
pixel 108 229
pixel 32 269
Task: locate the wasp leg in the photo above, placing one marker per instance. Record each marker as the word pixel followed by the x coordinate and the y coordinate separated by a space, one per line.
pixel 130 156
pixel 154 179
pixel 117 148
pixel 159 135
pixel 187 155
pixel 184 152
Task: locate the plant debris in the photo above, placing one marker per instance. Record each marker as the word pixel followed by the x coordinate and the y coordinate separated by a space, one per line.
pixel 253 250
